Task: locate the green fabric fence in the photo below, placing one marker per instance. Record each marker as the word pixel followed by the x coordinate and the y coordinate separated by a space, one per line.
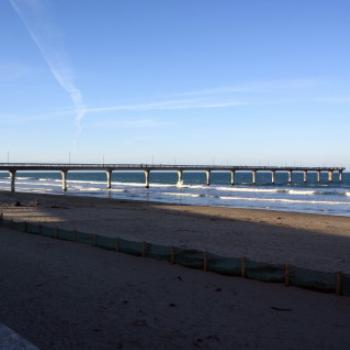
pixel 338 283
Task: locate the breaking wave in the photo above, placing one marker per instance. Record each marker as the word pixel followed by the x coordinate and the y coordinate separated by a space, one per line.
pixel 324 199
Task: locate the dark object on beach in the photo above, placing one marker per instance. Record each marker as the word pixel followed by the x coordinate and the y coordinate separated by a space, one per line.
pixel 198 342
pixel 18 204
pixel 179 278
pixel 280 309
pixel 172 305
pixel 218 290
pixel 58 207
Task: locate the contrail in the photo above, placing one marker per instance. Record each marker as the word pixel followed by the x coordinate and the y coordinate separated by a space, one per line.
pixel 36 18
pixel 185 104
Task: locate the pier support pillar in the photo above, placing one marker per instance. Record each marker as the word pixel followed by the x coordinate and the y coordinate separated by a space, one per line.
pixel 109 178
pixel 254 177
pixel 64 180
pixel 179 178
pixel 330 176
pixel 147 173
pixel 13 180
pixel 305 176
pixel 207 177
pixel 273 177
pixel 318 177
pixel 232 177
pixel 289 177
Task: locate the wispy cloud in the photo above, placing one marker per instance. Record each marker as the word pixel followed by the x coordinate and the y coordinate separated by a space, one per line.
pixel 135 123
pixel 121 121
pixel 38 21
pixel 250 93
pixel 245 94
pixel 163 105
pixel 260 87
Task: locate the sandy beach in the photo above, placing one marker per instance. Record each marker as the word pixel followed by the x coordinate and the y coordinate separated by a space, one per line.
pixel 312 241
pixel 63 295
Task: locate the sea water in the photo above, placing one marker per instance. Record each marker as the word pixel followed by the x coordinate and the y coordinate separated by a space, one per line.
pixel 323 198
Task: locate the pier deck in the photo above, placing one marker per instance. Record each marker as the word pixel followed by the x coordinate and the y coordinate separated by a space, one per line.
pixel 64 168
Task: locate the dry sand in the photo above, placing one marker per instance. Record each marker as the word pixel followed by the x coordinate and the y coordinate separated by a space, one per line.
pixel 63 295
pixel 313 241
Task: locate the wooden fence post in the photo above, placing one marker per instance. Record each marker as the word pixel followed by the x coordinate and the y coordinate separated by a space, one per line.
pixel 172 255
pixel 205 261
pixel 243 267
pixel 286 275
pixel 144 248
pixel 339 285
pixel 116 245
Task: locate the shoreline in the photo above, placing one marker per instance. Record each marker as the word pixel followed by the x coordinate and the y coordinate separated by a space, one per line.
pixel 164 203
pixel 319 199
pixel 306 240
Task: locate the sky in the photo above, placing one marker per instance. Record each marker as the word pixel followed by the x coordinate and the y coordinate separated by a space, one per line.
pixel 178 81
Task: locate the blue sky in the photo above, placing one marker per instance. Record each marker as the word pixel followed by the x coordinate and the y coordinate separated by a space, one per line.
pixel 185 81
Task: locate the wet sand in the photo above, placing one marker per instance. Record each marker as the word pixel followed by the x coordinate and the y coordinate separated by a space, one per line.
pixel 306 240
pixel 63 295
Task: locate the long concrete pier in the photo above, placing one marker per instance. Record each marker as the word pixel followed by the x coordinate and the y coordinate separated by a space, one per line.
pixel 63 169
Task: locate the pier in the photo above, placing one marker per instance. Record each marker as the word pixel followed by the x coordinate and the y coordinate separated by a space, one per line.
pixel 108 169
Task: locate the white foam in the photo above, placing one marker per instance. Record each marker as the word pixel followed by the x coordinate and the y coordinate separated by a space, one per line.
pixel 31 189
pixel 160 185
pixel 86 182
pixel 180 184
pixel 182 194
pixel 90 189
pixel 301 192
pixel 284 200
pixel 250 190
pixel 117 190
pixel 129 184
pixel 48 179
pixel 195 186
pixel 36 184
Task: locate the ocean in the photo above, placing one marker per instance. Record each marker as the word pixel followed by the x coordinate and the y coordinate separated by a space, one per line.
pixel 324 198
